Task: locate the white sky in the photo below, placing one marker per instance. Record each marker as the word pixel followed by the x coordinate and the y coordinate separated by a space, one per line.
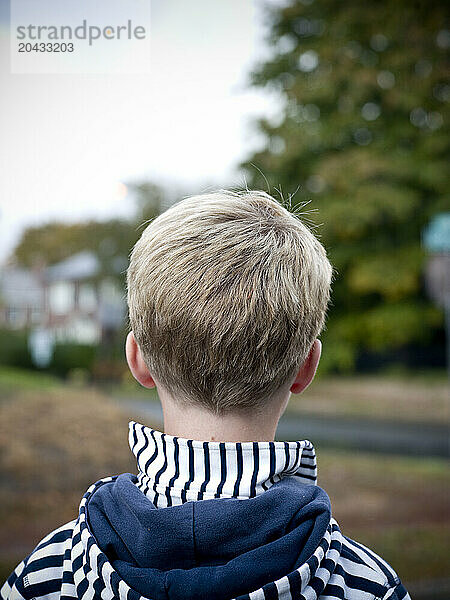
pixel 66 141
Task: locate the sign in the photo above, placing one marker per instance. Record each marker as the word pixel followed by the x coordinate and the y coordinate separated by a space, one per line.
pixel 436 236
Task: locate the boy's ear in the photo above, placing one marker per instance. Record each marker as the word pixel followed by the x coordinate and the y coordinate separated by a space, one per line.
pixel 308 369
pixel 136 363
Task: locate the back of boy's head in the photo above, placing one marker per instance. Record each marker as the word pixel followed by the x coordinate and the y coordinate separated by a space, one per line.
pixel 227 292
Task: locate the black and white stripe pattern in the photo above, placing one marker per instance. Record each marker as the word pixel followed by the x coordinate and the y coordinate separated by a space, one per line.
pixel 175 470
pixel 68 564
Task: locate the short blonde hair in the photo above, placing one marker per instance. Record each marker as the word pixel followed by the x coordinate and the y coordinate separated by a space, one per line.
pixel 227 292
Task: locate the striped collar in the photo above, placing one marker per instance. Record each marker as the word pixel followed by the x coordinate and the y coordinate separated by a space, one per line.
pixel 174 470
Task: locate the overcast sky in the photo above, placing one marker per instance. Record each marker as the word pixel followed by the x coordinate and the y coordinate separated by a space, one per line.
pixel 67 142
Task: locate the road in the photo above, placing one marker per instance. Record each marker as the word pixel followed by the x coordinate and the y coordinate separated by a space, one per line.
pixel 371 435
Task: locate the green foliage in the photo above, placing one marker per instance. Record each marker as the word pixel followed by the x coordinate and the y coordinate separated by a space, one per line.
pixel 14 351
pixel 364 132
pixel 67 357
pixel 48 244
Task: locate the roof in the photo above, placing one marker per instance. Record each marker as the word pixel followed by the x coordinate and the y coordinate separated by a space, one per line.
pixel 82 265
pixel 21 288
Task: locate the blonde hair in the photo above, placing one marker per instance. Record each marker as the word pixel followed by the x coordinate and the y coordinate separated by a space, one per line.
pixel 227 292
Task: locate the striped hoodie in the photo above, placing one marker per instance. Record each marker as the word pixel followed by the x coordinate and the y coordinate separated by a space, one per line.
pixel 205 521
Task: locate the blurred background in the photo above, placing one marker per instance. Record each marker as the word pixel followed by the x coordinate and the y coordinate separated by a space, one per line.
pixel 341 109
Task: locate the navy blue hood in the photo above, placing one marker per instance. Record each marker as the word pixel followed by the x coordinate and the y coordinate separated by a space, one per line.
pixel 221 548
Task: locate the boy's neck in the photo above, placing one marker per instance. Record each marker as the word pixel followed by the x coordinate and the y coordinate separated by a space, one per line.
pixel 197 423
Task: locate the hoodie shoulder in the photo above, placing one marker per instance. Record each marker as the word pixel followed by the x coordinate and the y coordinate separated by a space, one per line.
pixel 374 574
pixel 40 575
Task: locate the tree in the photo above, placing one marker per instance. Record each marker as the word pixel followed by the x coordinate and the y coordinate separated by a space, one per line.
pixel 150 200
pixel 111 241
pixel 363 134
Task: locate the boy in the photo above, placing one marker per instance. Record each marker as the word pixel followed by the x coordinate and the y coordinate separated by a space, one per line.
pixel 227 293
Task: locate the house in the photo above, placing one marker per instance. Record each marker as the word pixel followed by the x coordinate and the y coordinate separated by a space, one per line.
pixel 71 300
pixel 22 298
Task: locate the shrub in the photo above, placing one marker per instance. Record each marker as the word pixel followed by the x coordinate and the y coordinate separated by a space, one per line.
pixel 67 357
pixel 14 351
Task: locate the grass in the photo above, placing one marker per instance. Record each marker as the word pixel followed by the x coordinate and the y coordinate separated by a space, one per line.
pixel 399 398
pixel 13 380
pixel 415 551
pixel 397 506
pixel 53 445
pixel 384 491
